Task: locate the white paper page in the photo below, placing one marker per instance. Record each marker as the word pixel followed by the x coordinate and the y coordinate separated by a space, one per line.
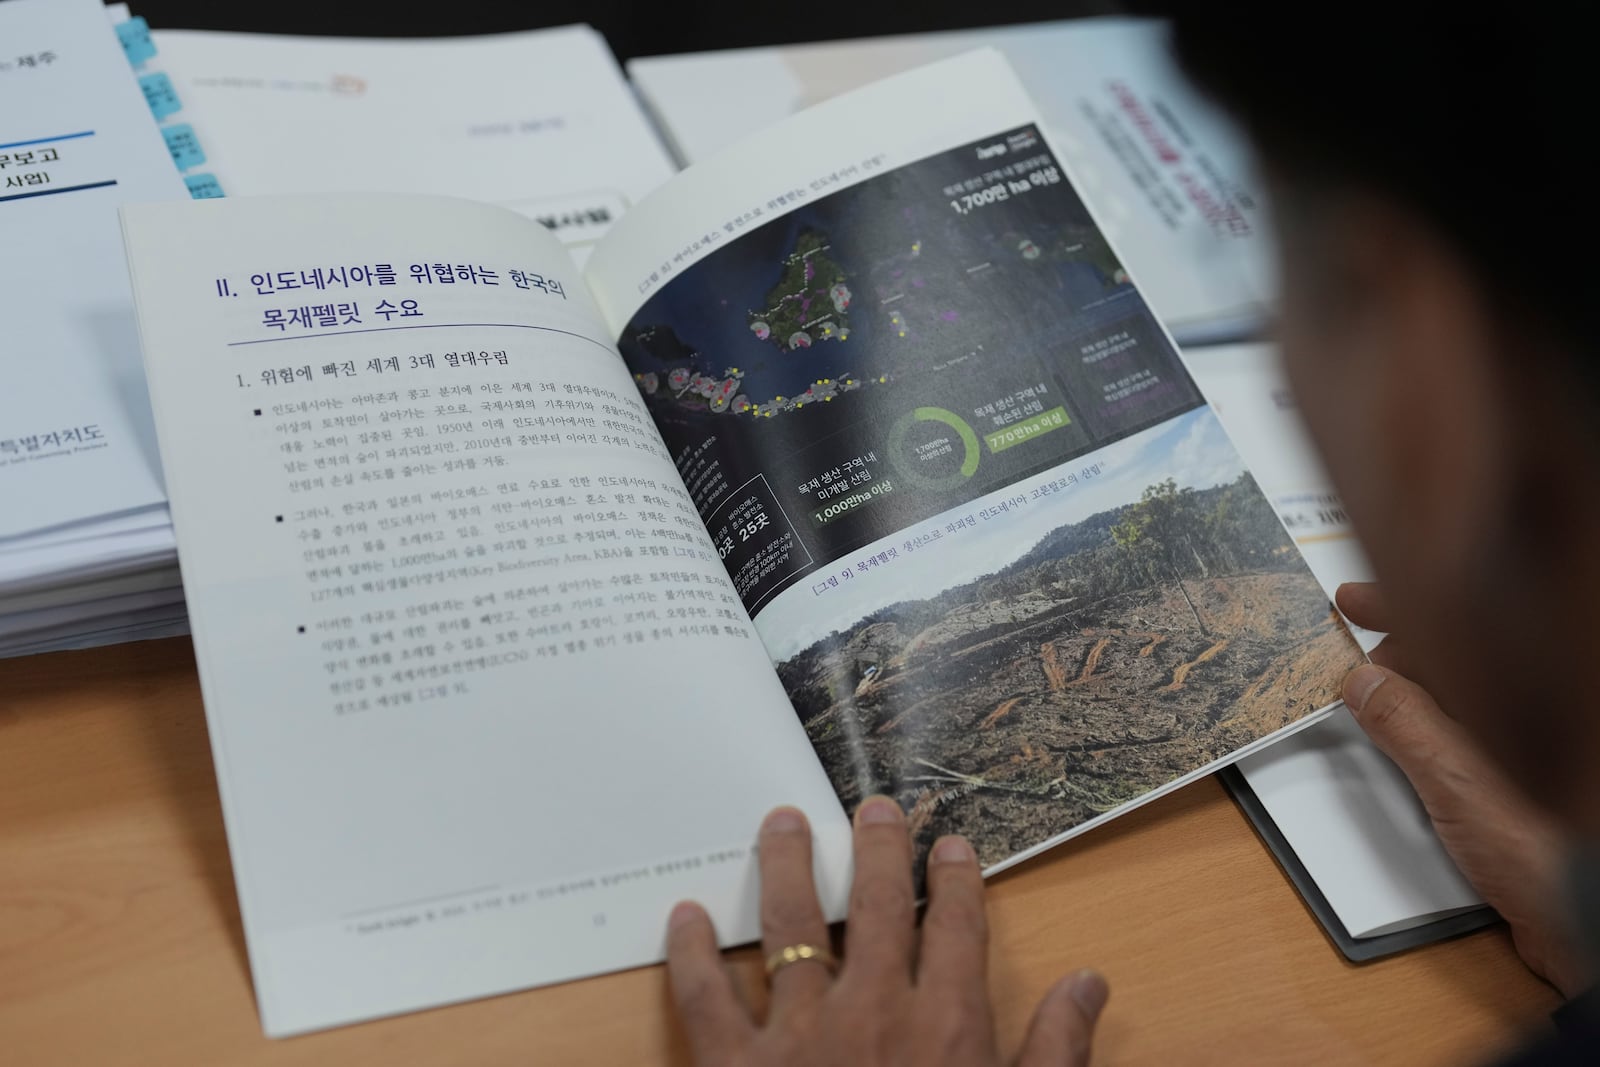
pixel 916 398
pixel 118 13
pixel 20 625
pixel 112 630
pixel 160 578
pixel 482 704
pixel 1359 829
pixel 541 122
pixel 1169 177
pixel 154 517
pixel 76 140
pixel 48 566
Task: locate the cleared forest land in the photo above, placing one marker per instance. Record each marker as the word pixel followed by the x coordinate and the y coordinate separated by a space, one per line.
pixel 1014 718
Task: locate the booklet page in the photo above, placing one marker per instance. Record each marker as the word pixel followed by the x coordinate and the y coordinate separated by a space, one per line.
pixel 1007 562
pixel 482 701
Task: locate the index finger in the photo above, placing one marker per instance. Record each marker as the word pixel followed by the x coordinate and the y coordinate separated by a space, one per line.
pixel 1364 604
pixel 1391 654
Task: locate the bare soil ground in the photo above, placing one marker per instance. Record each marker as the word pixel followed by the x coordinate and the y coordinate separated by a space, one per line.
pixel 1013 721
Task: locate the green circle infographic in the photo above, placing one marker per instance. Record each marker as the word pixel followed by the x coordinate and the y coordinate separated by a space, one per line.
pixel 907 463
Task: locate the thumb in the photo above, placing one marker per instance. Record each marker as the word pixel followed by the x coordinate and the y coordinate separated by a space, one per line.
pixel 1407 726
pixel 1063 1023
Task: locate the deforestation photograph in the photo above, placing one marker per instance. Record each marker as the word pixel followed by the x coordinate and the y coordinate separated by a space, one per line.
pixel 1110 656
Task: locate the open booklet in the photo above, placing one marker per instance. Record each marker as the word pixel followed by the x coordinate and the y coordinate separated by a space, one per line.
pixel 853 462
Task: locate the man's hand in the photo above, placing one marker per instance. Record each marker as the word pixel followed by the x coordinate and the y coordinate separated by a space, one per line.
pixel 1510 852
pixel 900 997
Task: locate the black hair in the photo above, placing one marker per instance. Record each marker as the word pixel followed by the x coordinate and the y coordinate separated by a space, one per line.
pixel 1478 121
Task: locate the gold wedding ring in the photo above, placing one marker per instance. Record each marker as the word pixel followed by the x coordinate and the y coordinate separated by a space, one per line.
pixel 798 954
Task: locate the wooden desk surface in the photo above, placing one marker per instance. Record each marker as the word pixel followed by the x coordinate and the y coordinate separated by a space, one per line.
pixel 120 939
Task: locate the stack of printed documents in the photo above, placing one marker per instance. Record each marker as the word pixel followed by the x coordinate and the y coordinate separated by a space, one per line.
pixel 86 548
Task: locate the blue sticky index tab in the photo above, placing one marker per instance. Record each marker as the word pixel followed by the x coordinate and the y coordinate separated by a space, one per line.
pixel 184 145
pixel 160 95
pixel 203 186
pixel 135 37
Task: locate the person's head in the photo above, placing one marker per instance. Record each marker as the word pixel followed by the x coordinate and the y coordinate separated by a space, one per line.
pixel 1432 194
